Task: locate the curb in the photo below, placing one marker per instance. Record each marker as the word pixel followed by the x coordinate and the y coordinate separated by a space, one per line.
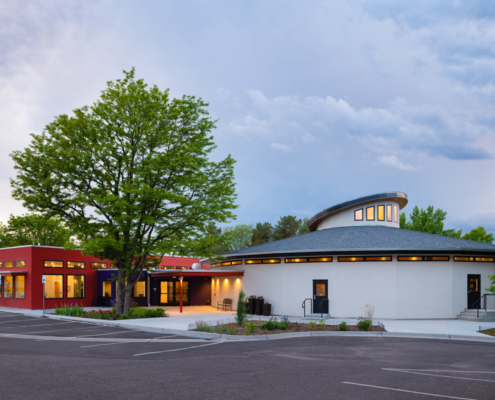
pixel 233 338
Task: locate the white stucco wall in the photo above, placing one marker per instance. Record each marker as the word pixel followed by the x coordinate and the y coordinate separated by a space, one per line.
pixel 401 290
pixel 346 217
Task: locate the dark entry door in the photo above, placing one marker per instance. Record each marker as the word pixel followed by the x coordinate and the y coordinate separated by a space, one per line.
pixel 320 296
pixel 473 291
pixel 170 293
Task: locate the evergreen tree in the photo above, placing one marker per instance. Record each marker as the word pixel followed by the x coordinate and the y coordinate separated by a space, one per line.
pixel 262 233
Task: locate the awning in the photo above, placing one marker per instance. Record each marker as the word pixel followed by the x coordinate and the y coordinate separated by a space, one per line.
pixel 199 272
pixel 13 273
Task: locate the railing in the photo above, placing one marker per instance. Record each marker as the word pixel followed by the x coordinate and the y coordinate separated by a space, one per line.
pixel 321 302
pixel 484 303
pixel 304 306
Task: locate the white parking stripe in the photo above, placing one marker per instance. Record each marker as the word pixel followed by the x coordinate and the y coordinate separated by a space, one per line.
pixel 408 391
pixel 105 344
pixel 14 315
pixel 29 326
pixel 17 320
pixel 185 348
pixel 56 330
pixel 441 376
pixel 102 334
pixel 441 370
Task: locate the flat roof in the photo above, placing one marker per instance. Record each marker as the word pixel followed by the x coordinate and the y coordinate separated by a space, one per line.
pixel 197 272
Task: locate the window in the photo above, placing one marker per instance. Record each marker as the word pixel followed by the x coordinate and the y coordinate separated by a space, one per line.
pixel 180 267
pixel 350 259
pixel 358 215
pixel 54 286
pixel 227 263
pixel 381 213
pixel 463 258
pixel 370 213
pixel 215 265
pixel 20 287
pixel 99 265
pixel 8 264
pixel 423 258
pixel 8 287
pixel 396 214
pixel 253 261
pixel 140 289
pixel 321 259
pixel 296 260
pixel 237 262
pixel 484 259
pixel 434 258
pixel 1 286
pixel 20 263
pixel 166 267
pixel 75 286
pixel 272 261
pixel 1 264
pixel 379 258
pixel 107 289
pixel 389 212
pixel 76 264
pixel 53 264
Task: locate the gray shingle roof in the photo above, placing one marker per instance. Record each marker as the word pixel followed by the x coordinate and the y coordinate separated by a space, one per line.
pixel 366 238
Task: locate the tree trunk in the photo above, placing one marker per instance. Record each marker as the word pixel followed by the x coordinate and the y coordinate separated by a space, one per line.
pixel 120 292
pixel 127 304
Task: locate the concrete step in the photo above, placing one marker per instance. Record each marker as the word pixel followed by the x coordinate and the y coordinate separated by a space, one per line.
pixel 464 318
pixel 317 316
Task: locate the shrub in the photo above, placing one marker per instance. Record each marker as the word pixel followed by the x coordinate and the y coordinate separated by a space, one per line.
pixel 136 312
pixel 250 327
pixel 242 306
pixel 322 323
pixel 343 326
pixel 364 324
pixel 70 310
pixel 272 325
pixel 312 326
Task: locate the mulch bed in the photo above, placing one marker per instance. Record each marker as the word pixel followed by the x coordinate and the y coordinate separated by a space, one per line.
pixel 295 327
pixel 490 332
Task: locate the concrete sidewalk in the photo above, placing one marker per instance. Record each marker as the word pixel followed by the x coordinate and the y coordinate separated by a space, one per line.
pixel 176 322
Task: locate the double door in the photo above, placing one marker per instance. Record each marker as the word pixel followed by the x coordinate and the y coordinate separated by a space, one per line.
pixel 170 293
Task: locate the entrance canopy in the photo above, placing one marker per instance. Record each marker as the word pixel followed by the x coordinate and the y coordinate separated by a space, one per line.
pixel 189 272
pixel 8 273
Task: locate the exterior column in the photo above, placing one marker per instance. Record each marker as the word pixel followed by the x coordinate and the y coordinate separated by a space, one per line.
pixel 180 294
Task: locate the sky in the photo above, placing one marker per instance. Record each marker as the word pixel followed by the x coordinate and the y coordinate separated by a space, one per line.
pixel 319 102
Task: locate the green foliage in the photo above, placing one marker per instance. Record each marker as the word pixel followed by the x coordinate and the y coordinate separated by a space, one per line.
pixel 262 233
pixel 429 220
pixel 250 327
pixel 364 324
pixel 138 312
pixel 242 307
pixel 238 237
pixel 132 176
pixel 479 234
pixel 70 310
pixel 286 227
pixel 321 322
pixel 34 229
pixel 272 325
pixel 202 326
pixel 312 326
pixel 343 326
pixel 491 289
pixel 218 240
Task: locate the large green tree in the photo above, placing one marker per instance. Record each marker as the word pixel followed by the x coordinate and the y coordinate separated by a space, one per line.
pixel 287 226
pixel 262 233
pixel 479 234
pixel 132 175
pixel 238 237
pixel 34 229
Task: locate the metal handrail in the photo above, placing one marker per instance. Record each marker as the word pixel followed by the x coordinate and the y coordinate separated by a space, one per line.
pixel 484 303
pixel 321 302
pixel 304 306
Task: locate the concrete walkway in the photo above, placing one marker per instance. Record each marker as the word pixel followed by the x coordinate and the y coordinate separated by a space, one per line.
pixel 180 322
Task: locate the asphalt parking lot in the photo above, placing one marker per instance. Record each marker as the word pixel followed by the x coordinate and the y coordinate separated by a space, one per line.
pixel 67 366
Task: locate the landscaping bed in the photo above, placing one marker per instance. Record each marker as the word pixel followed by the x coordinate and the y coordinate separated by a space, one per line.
pixel 253 328
pixel 75 310
pixel 490 332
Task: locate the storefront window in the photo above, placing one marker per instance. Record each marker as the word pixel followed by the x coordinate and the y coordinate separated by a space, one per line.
pixel 76 264
pixel 140 289
pixel 75 286
pixel 53 264
pixel 20 287
pixel 8 287
pixel 54 286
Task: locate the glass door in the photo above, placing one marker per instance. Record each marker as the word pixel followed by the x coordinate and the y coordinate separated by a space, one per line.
pixel 170 293
pixel 166 293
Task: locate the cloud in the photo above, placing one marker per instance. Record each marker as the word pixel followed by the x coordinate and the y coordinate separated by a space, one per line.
pixel 393 161
pixel 282 147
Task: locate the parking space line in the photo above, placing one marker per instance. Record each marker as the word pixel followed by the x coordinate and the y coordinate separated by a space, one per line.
pixel 442 370
pixel 29 326
pixel 185 348
pixel 165 336
pixel 56 330
pixel 104 344
pixel 408 391
pixel 17 320
pixel 15 315
pixel 102 334
pixel 440 376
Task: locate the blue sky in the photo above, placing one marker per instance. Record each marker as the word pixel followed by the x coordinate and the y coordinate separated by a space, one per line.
pixel 319 102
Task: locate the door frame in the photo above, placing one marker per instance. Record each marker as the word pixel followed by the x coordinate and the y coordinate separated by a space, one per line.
pixel 174 293
pixel 325 306
pixel 473 276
